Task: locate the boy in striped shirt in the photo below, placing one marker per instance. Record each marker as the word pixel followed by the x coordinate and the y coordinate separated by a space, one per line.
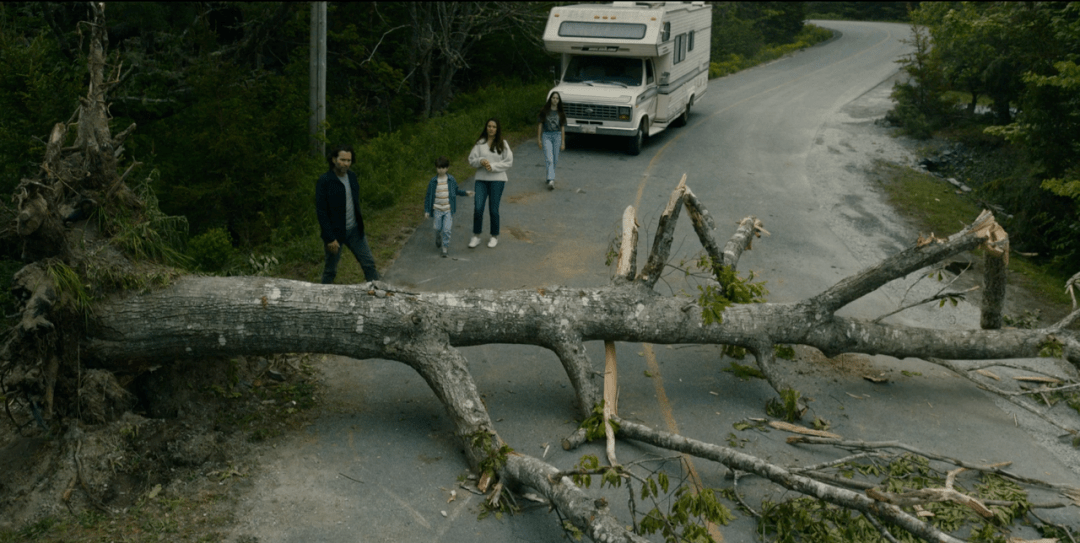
pixel 441 202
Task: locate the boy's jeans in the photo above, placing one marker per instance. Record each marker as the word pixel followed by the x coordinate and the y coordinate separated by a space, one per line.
pixel 359 247
pixel 552 141
pixel 443 222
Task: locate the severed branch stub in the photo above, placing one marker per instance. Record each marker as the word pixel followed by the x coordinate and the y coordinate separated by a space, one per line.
pixel 665 231
pixel 627 266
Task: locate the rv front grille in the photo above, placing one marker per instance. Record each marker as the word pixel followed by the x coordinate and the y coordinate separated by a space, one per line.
pixel 592 111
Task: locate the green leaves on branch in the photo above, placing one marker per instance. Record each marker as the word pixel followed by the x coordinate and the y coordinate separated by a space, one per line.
pixel 689 516
pixel 1051 348
pixel 689 512
pixel 589 465
pixel 744 372
pixel 496 456
pixel 594 425
pixel 807 520
pixel 732 289
pixel 788 407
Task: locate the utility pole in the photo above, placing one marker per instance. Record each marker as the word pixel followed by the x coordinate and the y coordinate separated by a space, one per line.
pixel 317 84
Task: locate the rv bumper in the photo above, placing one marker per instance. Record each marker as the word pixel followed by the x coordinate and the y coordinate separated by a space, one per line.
pixel 602 130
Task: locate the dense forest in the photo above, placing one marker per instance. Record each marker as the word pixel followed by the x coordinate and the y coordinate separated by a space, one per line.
pixel 219 94
pixel 1002 77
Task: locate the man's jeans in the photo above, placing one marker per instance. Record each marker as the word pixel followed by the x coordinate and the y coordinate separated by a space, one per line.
pixel 484 189
pixel 552 142
pixel 359 247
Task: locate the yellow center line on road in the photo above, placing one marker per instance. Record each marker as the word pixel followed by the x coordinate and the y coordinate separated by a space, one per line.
pixel 673 427
pixel 650 356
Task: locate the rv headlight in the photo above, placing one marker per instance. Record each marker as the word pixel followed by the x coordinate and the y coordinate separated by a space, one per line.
pixel 624 114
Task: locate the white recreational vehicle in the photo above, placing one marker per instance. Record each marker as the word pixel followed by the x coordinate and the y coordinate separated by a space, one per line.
pixel 630 68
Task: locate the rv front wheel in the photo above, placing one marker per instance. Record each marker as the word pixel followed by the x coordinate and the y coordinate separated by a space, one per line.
pixel 638 139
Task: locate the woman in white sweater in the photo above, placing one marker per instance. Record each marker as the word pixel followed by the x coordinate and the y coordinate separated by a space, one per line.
pixel 491 156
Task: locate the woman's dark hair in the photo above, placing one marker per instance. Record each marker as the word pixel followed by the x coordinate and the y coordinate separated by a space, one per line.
pixel 497 145
pixel 442 162
pixel 334 153
pixel 547 109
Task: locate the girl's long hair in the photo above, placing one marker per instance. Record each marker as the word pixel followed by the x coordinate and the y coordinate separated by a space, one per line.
pixel 547 109
pixel 497 145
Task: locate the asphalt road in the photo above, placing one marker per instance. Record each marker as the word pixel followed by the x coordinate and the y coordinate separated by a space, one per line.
pixel 785 142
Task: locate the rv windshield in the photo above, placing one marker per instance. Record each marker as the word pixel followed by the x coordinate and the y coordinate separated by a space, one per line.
pixel 625 72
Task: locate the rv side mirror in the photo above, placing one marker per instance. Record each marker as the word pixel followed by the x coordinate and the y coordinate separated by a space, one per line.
pixel 554 76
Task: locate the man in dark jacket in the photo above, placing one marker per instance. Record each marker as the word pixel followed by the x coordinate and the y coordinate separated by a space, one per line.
pixel 337 203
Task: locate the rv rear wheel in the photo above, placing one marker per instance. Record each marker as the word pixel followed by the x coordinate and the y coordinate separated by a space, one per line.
pixel 683 119
pixel 638 139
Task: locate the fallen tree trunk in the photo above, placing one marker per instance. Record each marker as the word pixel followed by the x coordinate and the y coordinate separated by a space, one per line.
pixel 216 317
pixel 226 316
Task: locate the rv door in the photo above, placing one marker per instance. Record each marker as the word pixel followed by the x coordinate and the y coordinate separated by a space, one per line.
pixel 646 101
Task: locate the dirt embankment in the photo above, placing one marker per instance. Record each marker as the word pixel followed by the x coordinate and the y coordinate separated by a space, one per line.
pixel 176 464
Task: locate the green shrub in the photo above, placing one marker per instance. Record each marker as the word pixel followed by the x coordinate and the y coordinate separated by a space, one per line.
pixel 211 250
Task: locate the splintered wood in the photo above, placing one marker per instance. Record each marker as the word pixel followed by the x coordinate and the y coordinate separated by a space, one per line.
pixel 997 240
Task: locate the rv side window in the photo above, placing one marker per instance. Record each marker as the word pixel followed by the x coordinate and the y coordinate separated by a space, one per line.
pixel 680 48
pixel 666 35
pixel 648 72
pixel 690 43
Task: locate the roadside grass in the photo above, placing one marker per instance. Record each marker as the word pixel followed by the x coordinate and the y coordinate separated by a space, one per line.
pixel 934 206
pixel 810 35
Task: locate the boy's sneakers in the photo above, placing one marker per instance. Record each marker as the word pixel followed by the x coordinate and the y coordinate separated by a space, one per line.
pixel 438 238
pixel 494 241
pixel 474 242
pixel 551 184
pixel 444 252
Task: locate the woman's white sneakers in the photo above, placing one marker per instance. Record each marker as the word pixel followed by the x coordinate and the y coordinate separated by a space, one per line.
pixel 551 184
pixel 476 241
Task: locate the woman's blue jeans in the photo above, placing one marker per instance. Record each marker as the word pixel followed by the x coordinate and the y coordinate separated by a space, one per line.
pixel 552 142
pixel 487 190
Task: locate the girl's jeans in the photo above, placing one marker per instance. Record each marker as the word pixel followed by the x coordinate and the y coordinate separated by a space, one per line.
pixel 487 190
pixel 552 141
pixel 443 222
